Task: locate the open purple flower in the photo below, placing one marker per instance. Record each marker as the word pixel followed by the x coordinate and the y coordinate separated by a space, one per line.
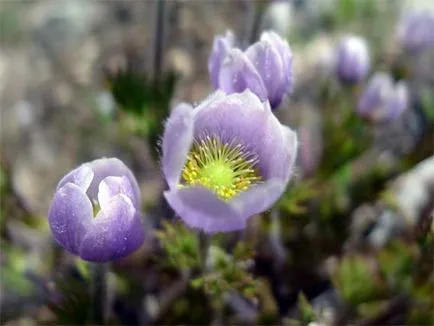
pixel 225 160
pixel 352 60
pixel 383 101
pixel 95 212
pixel 265 67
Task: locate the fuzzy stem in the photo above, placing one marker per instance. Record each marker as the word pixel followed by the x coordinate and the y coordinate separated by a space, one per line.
pixel 276 237
pixel 98 292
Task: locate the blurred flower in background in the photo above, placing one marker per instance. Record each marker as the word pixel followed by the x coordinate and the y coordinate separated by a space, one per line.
pixel 265 67
pixel 352 59
pixel 382 100
pixel 225 160
pixel 95 212
pixel 415 31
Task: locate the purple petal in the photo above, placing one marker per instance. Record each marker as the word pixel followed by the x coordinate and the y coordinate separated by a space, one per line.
pixel 291 149
pixel 70 216
pixel 244 118
pixel 269 65
pixel 199 208
pixel 282 46
pixel 221 46
pixel 81 176
pixel 258 198
pixel 112 167
pixel 112 186
pixel 238 74
pixel 116 232
pixel 177 140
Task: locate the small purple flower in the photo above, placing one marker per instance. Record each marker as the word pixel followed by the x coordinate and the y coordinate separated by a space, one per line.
pixel 95 212
pixel 415 31
pixel 352 60
pixel 225 160
pixel 383 101
pixel 265 68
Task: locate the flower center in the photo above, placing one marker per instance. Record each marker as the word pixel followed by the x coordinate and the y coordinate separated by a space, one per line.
pixel 225 168
pixel 96 207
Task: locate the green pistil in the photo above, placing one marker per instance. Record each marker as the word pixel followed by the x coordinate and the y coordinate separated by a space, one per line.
pixel 218 173
pixel 96 208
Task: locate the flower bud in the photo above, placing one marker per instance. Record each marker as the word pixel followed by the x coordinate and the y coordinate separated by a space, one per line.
pixel 415 31
pixel 352 60
pixel 382 100
pixel 95 213
pixel 265 68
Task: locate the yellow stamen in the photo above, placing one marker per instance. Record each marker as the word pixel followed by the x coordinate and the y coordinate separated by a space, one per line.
pixel 225 168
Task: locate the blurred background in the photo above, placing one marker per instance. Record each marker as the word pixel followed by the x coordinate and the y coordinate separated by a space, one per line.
pixel 354 242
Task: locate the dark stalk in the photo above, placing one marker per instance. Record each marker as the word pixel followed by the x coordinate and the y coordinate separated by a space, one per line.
pixel 98 292
pixel 158 41
pixel 204 243
pixel 254 22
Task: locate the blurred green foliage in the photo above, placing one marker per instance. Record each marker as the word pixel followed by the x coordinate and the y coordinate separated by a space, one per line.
pixel 13 273
pixel 143 104
pixel 357 281
pixel 180 244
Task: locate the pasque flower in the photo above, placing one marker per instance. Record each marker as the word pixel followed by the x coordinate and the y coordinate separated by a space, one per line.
pixel 265 67
pixel 415 31
pixel 225 160
pixel 95 212
pixel 382 100
pixel 352 59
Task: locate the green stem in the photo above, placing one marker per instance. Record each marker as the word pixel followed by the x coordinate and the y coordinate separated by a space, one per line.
pixel 98 292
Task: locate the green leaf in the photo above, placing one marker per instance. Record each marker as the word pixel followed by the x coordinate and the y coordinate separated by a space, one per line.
pixel 356 280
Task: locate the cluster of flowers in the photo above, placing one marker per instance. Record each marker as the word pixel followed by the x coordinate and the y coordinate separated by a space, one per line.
pixel 227 159
pixel 382 100
pixel 224 161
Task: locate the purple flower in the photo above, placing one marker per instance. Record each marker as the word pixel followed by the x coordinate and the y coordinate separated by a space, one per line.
pixel 95 212
pixel 225 160
pixel 415 31
pixel 352 60
pixel 265 67
pixel 383 101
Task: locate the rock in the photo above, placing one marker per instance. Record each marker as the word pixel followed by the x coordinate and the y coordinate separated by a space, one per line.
pixel 413 191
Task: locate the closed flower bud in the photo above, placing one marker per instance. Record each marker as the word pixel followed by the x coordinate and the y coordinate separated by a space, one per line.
pixel 95 213
pixel 415 31
pixel 265 68
pixel 383 101
pixel 352 60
